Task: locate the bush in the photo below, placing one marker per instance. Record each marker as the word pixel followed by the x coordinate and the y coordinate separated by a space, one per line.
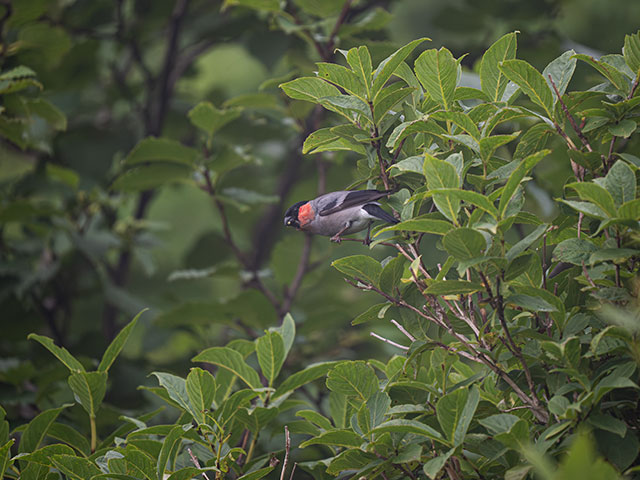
pixel 517 353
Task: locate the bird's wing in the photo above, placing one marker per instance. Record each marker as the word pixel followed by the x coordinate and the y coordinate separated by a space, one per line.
pixel 342 200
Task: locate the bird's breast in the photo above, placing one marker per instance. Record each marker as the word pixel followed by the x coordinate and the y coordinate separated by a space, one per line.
pixel 306 214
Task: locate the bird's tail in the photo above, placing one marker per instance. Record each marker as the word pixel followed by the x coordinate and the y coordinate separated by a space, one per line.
pixel 376 211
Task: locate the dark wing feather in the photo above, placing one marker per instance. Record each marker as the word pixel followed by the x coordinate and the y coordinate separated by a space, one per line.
pixel 378 212
pixel 353 199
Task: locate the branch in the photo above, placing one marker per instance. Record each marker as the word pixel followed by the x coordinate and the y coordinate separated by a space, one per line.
pixel 196 463
pixel 572 121
pixel 287 447
pixel 390 342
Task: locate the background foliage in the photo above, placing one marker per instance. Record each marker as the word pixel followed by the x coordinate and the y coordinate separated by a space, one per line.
pixel 148 151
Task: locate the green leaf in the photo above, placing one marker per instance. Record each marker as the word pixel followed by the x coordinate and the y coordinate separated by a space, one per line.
pixel 437 71
pixel 232 361
pixel 574 250
pixel 409 128
pixel 359 60
pixel 630 210
pixel 75 467
pixel 533 140
pixel 464 243
pixel 168 445
pixel 587 208
pixel 461 120
pixel 152 149
pixel 309 89
pixel 469 196
pixel 528 302
pixel 560 70
pixel 356 379
pixel 620 183
pixel 201 388
pixel 608 423
pixel 388 66
pixel 424 225
pixel 271 355
pixel 189 473
pixel 151 176
pixel 256 475
pixel 516 177
pixel 531 82
pixel 361 267
pixel 176 388
pixel 5 457
pixel 47 111
pixel 116 346
pixel 388 99
pixel 432 467
pixel 339 438
pixel 343 78
pixel 492 80
pixel 298 379
pixel 89 389
pixel 37 429
pixel 60 353
pixel 489 145
pixel 449 413
pixel 408 426
pixel 594 193
pixel 631 52
pixel 624 128
pixel 526 242
pixel 209 119
pixel 441 174
pixel 618 79
pixel 372 313
pixel 453 287
pixel 616 255
pixel 391 274
pixel 499 423
pixel 316 418
pixel 70 436
pixel 348 103
pixel 288 332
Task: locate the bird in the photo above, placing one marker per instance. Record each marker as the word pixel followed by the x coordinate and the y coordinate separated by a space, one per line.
pixel 339 213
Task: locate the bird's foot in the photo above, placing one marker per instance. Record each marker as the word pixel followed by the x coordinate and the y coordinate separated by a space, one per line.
pixel 336 239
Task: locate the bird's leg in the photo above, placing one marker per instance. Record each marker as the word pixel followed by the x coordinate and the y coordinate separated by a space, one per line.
pixel 367 239
pixel 336 238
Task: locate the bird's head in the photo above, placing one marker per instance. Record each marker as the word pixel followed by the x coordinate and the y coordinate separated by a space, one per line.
pixel 291 215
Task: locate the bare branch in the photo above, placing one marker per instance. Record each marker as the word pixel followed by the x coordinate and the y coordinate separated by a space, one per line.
pixel 390 342
pixel 287 447
pixel 196 463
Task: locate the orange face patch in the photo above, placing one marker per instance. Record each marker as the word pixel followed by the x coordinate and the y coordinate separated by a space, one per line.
pixel 306 214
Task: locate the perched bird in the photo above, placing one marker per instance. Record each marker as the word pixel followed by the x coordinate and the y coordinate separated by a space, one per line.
pixel 338 213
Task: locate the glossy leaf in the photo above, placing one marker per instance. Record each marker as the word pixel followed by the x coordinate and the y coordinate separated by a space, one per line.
pixel 531 82
pixel 89 389
pixel 116 346
pixel 464 243
pixel 493 80
pixel 361 267
pixel 232 361
pixel 271 355
pixel 437 71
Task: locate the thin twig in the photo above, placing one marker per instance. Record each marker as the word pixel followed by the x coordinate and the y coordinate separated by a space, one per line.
pixel 403 330
pixel 196 463
pixel 287 447
pixel 390 342
pixel 572 121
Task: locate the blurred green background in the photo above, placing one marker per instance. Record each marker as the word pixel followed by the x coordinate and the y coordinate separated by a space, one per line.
pixel 80 257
